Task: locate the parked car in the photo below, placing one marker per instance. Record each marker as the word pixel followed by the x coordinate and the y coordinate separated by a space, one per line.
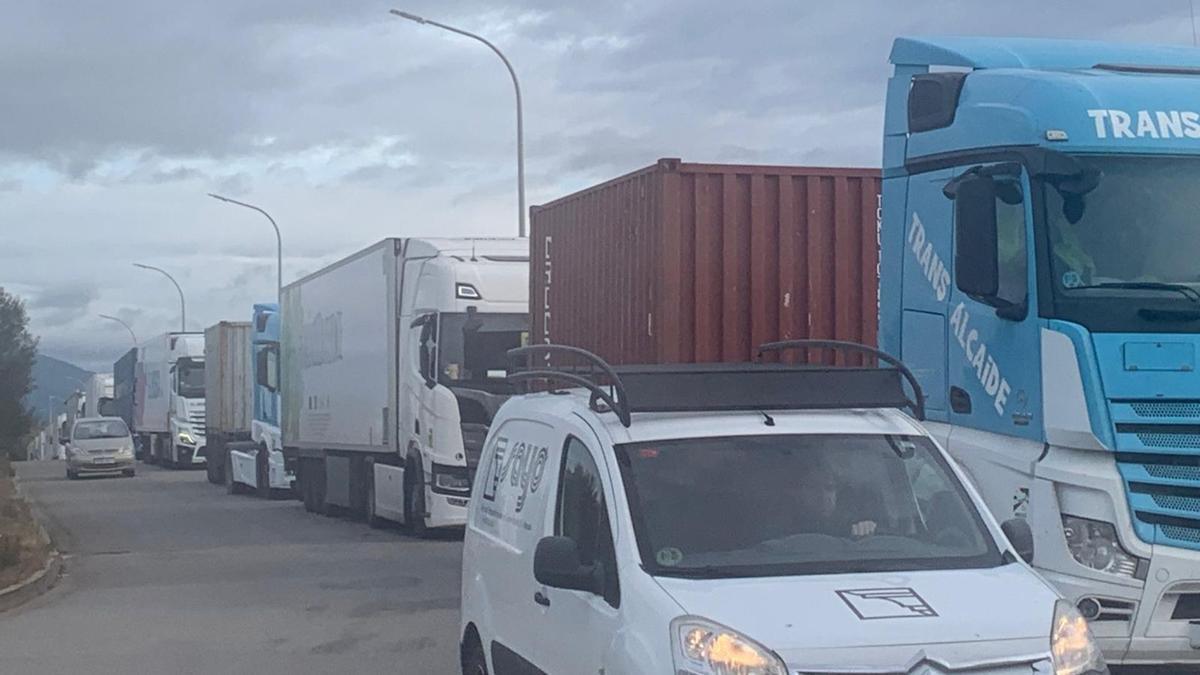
pixel 99 445
pixel 743 518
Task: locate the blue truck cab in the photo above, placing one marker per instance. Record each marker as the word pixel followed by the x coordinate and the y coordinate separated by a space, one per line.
pixel 1040 267
pixel 264 429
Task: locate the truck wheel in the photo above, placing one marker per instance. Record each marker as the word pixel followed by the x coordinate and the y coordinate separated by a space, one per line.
pixel 414 499
pixel 262 472
pixel 373 520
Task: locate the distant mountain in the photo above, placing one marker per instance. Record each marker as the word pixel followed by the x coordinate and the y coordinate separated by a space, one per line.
pixel 54 379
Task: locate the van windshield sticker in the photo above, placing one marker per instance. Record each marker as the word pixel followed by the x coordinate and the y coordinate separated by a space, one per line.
pixel 669 556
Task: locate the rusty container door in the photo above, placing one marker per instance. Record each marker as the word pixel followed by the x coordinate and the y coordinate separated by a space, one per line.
pixel 687 262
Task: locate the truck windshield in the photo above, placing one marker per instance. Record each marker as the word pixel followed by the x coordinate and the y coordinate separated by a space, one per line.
pixel 1123 256
pixel 190 374
pixel 85 431
pixel 778 505
pixel 472 347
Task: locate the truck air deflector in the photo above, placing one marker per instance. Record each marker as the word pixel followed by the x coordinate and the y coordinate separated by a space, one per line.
pixel 727 387
pixel 1036 54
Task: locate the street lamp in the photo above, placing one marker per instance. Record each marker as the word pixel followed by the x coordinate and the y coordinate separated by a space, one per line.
pixel 278 244
pixel 516 87
pixel 182 306
pixel 113 318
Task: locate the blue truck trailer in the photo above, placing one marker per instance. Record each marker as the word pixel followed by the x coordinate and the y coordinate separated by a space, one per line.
pixel 1041 216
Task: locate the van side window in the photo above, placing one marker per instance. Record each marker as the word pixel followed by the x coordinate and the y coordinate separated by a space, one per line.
pixel 583 516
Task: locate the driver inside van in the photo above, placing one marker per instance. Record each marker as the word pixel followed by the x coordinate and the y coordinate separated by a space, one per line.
pixel 826 507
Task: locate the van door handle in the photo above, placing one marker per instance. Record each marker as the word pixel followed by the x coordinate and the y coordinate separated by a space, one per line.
pixel 541 599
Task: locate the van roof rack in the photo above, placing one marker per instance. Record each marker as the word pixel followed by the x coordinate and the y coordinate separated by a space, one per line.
pixel 757 386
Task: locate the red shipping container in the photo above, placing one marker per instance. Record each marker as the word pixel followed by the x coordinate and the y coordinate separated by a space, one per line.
pixel 685 262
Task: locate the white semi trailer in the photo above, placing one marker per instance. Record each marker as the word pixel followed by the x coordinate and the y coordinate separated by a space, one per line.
pixel 169 400
pixel 393 365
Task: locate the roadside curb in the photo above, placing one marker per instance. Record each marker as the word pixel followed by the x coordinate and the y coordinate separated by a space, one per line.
pixel 42 580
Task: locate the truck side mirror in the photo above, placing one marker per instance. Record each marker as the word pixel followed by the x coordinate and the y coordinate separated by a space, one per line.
pixel 556 564
pixel 262 374
pixel 976 238
pixel 1021 536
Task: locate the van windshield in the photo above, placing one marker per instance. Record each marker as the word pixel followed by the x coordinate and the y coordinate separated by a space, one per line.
pixel 86 431
pixel 777 505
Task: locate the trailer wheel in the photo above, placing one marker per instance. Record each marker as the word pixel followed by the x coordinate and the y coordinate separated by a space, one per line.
pixel 414 499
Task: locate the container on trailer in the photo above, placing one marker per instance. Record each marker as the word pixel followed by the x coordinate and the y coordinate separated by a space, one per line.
pixel 228 378
pixel 681 262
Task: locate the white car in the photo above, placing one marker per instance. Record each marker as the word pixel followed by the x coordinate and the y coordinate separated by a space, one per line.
pixel 749 519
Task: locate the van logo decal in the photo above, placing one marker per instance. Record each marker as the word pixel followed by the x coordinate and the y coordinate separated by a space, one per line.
pixel 886 603
pixel 523 468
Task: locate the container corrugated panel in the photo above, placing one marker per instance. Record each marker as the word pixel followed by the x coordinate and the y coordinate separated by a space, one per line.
pixel 684 262
pixel 228 377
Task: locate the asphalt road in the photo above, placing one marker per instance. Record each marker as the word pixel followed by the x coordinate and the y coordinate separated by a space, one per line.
pixel 165 573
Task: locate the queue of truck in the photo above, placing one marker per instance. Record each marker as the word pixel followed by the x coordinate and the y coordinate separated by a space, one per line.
pixel 1026 255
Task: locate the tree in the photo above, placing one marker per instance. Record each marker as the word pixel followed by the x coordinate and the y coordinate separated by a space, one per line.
pixel 18 349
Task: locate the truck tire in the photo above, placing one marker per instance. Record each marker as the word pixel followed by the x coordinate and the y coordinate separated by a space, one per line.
pixel 373 519
pixel 414 499
pixel 262 472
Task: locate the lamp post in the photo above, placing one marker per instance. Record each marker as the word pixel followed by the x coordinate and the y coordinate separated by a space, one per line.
pixel 182 305
pixel 516 88
pixel 278 244
pixel 113 318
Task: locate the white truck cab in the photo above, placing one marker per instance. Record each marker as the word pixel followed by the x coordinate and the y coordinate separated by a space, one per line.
pixel 761 518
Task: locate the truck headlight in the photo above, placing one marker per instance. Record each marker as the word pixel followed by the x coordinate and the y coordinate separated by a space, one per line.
pixel 450 481
pixel 186 438
pixel 703 647
pixel 1094 544
pixel 1071 644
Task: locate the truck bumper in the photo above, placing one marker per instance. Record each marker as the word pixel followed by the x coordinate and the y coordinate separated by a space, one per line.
pixel 445 510
pixel 1161 630
pixel 189 455
pixel 278 475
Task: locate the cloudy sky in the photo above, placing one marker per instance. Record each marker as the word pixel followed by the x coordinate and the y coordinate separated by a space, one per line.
pixel 350 125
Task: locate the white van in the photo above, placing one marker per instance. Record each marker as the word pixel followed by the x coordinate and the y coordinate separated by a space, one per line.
pixel 750 519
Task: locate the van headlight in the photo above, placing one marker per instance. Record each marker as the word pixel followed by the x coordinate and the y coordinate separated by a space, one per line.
pixel 1071 644
pixel 703 647
pixel 1094 544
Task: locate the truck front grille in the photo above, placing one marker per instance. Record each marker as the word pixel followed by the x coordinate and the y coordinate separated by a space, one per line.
pixel 1157 455
pixel 1166 408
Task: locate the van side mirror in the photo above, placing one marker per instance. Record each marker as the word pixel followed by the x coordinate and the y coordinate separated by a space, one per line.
pixel 556 564
pixel 976 237
pixel 1021 536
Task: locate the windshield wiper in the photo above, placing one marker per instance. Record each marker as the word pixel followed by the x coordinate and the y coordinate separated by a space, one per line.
pixel 1169 315
pixel 1182 289
pixel 702 572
